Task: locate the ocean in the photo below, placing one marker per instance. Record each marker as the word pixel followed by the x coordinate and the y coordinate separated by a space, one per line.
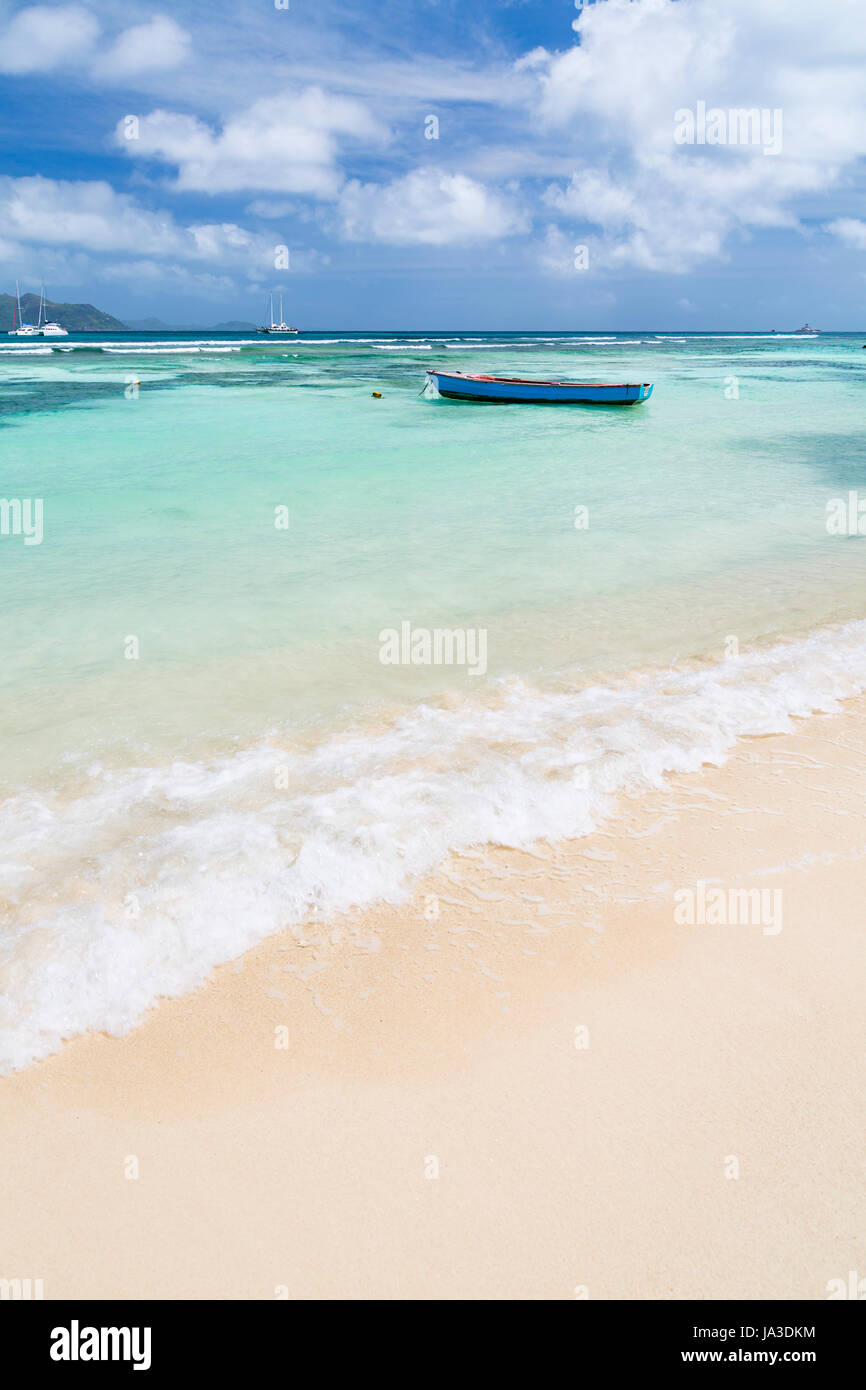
pixel 210 730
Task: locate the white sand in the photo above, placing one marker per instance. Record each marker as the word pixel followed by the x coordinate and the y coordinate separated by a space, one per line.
pixel 560 1167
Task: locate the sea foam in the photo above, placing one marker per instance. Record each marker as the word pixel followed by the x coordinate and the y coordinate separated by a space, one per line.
pixel 191 864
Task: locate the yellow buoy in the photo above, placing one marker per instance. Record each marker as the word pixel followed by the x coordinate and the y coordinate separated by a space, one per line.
pixel 377 395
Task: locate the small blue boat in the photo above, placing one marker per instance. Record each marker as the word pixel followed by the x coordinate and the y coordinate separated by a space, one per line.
pixel 513 390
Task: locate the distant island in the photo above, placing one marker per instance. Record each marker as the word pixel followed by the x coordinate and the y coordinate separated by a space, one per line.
pixel 147 326
pixel 157 326
pixel 76 318
pixel 85 318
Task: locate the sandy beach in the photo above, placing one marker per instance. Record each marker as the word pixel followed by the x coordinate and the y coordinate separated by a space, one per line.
pixel 433 682
pixel 529 1082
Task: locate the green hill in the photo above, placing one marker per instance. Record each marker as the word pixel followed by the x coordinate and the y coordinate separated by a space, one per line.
pixel 77 318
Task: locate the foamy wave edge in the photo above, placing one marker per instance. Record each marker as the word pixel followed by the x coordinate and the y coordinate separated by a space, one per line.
pixel 194 863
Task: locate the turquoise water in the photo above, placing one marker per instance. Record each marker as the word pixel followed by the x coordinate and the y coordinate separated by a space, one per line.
pixel 161 463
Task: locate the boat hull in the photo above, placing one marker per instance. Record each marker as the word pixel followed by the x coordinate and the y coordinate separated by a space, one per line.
pixel 508 391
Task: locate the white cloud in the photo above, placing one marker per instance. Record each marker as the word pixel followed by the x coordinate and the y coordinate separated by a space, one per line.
pixel 43 37
pixel 159 44
pixel 592 127
pixel 558 252
pixel 287 143
pixel 169 275
pixel 270 208
pixel 668 207
pixel 849 230
pixel 91 216
pixel 662 217
pixel 536 58
pixel 427 207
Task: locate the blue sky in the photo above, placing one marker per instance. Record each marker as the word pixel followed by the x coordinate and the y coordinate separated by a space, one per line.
pixel 154 158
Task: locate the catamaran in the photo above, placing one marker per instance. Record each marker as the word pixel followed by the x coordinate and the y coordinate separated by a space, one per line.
pixel 24 330
pixel 48 328
pixel 274 327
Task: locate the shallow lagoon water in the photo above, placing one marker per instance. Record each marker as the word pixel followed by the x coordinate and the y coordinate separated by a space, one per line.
pixel 256 761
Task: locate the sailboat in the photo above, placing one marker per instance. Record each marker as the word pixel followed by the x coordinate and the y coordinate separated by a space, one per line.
pixel 274 327
pixel 24 330
pixel 48 328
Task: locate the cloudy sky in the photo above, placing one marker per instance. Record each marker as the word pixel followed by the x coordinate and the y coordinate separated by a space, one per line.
pixel 437 163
